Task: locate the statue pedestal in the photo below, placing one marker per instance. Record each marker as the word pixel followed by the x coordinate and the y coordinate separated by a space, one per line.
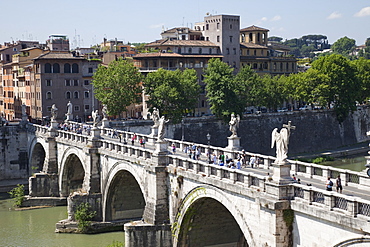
pixel 95 133
pixel 105 123
pixel 161 147
pixel 281 174
pixel 69 117
pixel 153 136
pixel 234 143
pixel 54 124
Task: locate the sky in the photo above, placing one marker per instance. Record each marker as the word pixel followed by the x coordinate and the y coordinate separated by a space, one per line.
pixel 88 22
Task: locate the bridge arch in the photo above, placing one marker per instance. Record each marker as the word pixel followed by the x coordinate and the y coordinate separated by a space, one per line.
pixel 123 193
pixel 38 154
pixel 206 209
pixel 73 172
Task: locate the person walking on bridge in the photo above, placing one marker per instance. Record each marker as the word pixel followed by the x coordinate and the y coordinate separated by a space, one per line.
pixel 329 184
pixel 339 184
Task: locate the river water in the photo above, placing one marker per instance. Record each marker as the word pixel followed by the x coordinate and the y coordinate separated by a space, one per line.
pixel 36 227
pixel 353 163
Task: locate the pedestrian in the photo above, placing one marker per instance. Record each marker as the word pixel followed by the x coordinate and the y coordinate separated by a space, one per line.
pixel 329 184
pixel 173 148
pixel 238 164
pixel 142 142
pixel 252 160
pixel 133 140
pixel 339 184
pixel 120 137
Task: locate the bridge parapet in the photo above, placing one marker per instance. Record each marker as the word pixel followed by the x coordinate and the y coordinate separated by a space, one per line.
pixel 125 149
pixel 308 198
pixel 322 172
pixel 67 136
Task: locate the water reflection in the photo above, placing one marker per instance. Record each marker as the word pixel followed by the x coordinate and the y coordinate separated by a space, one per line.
pixel 36 228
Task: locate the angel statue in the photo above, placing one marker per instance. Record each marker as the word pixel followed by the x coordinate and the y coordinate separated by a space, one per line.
pixel 161 128
pixel 155 117
pixel 105 112
pixel 234 124
pixel 95 117
pixel 282 140
pixel 54 112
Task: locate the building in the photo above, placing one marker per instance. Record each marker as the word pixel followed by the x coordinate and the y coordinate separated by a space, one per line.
pixel 263 57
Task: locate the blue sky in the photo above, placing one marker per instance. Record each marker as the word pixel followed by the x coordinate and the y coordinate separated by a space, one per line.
pixel 87 22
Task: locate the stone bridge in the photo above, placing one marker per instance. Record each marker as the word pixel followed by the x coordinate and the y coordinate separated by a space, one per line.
pixel 167 199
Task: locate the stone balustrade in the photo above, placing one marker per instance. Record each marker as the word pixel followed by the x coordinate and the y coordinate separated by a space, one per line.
pixel 333 201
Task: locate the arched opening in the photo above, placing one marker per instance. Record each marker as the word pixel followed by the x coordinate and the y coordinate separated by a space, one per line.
pixel 73 175
pixel 56 68
pixel 38 158
pixel 125 199
pixel 67 68
pixel 47 68
pixel 209 216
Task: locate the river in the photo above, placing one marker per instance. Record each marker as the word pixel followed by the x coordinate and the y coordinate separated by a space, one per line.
pixel 29 228
pixel 353 163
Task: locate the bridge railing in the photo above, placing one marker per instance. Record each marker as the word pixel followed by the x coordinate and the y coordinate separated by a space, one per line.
pixel 126 149
pixel 72 136
pixel 332 201
pixel 322 172
pixel 39 129
pixel 204 169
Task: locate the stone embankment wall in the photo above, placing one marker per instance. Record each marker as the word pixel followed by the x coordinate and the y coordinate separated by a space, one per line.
pixel 315 130
pixel 13 153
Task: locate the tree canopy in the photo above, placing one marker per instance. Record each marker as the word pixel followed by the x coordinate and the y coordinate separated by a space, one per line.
pixel 175 93
pixel 117 86
pixel 344 46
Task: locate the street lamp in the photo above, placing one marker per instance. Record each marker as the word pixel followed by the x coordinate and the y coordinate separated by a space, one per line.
pixel 209 149
pixel 182 130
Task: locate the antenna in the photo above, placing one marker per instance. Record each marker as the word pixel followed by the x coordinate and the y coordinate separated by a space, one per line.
pixel 183 19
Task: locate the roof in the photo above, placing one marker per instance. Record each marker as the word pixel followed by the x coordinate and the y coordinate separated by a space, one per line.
pixel 168 42
pixel 254 28
pixel 58 55
pixel 173 55
pixel 252 45
pixel 179 29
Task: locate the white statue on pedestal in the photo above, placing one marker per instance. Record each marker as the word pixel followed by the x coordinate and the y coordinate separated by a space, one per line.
pixel 234 124
pixel 69 108
pixel 96 118
pixel 155 117
pixel 282 140
pixel 161 128
pixel 105 112
pixel 54 112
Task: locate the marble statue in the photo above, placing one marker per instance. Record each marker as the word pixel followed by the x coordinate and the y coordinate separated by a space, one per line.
pixel 161 128
pixel 24 113
pixel 282 140
pixel 54 112
pixel 96 118
pixel 155 117
pixel 234 124
pixel 105 112
pixel 69 107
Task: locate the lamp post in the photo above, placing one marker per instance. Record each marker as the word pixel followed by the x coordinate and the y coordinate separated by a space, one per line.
pixel 209 149
pixel 182 130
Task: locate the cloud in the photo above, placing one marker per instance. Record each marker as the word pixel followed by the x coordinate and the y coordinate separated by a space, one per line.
pixel 156 25
pixel 276 18
pixel 363 12
pixel 334 15
pixel 264 19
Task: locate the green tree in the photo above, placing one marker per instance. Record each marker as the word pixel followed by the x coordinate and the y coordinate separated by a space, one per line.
pixel 363 75
pixel 222 90
pixel 175 93
pixel 117 85
pixel 343 86
pixel 344 46
pixel 18 194
pixel 248 86
pixel 84 215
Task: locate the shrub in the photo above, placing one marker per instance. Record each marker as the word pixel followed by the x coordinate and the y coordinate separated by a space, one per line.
pixel 18 194
pixel 84 216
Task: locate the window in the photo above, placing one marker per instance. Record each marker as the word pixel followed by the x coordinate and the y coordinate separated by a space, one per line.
pixel 67 68
pixel 47 68
pixel 262 52
pixel 227 51
pixel 48 95
pixel 48 108
pixel 218 25
pixel 75 82
pixel 231 26
pixel 234 51
pixel 68 83
pixel 207 26
pixel 91 70
pixel 87 94
pixel 68 95
pixel 200 50
pixel 231 39
pixel 76 108
pixel 86 82
pixel 255 52
pixel 75 68
pixel 190 50
pixel 56 68
pixel 76 95
pixel 48 83
pixel 87 107
pixel 218 38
